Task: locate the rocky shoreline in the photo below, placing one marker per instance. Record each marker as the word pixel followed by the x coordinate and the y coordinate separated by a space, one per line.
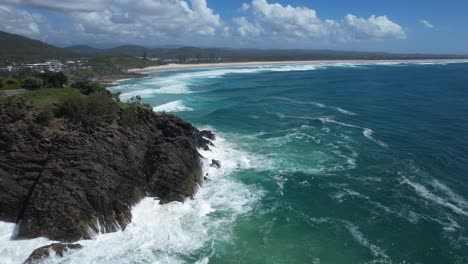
pixel 112 79
pixel 67 181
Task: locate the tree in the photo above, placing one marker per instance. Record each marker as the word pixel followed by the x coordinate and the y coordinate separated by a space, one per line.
pixel 89 88
pixel 136 101
pixel 53 79
pixel 31 83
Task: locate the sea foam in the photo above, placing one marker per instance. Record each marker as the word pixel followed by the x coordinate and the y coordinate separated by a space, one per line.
pixel 451 200
pixel 168 233
pixel 180 82
pixel 174 106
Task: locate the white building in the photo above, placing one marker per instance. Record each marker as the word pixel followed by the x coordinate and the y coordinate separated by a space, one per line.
pixel 52 65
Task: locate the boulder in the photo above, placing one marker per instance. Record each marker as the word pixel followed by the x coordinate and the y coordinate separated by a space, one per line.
pixel 39 255
pixel 215 163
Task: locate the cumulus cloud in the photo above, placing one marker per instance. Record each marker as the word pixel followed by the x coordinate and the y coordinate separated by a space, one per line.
pixel 245 28
pixel 188 22
pixel 276 20
pixel 375 27
pixel 133 21
pixel 21 21
pixel 62 5
pixel 426 23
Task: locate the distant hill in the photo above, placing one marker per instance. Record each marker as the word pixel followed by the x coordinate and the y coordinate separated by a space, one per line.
pixel 19 49
pixel 83 49
pixel 16 48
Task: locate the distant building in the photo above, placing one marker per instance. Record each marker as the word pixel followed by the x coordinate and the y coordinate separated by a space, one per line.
pixel 8 69
pixel 52 65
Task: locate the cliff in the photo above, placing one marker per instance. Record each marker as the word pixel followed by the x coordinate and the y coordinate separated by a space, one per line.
pixel 64 178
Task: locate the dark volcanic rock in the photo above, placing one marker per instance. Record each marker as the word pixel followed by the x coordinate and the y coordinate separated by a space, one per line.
pixel 207 134
pixel 67 181
pixel 215 163
pixel 42 253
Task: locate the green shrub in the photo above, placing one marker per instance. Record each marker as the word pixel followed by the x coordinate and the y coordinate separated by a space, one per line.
pixel 136 101
pixel 91 111
pixel 116 96
pixel 32 83
pixel 89 88
pixel 11 84
pixel 11 81
pixel 53 79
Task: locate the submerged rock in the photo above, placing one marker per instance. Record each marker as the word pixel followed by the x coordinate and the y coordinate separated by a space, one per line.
pixel 66 181
pixel 41 254
pixel 215 163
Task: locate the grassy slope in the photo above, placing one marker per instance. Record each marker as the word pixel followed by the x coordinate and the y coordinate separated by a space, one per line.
pixel 43 98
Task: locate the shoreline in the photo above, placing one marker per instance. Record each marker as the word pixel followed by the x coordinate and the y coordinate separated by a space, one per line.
pixel 178 66
pixel 113 79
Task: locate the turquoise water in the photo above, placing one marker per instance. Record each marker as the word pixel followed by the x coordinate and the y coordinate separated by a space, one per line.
pixel 337 163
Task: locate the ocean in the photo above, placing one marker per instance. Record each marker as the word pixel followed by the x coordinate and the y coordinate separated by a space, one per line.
pixel 320 163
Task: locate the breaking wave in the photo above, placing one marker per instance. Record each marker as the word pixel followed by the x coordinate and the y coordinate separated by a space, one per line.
pixel 174 106
pixel 168 233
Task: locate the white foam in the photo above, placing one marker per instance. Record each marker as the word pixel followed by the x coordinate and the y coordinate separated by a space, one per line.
pixel 16 251
pixel 174 106
pixel 180 82
pixel 454 202
pixel 149 92
pixel 164 233
pixel 359 237
pixel 280 181
pixel 367 132
pixel 314 103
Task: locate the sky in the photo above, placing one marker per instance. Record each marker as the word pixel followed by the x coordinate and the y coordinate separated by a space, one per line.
pixel 409 26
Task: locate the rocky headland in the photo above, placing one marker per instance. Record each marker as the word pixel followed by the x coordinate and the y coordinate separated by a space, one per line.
pixel 71 176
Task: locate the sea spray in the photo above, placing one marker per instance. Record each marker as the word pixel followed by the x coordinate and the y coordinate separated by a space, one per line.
pixel 174 106
pixel 169 233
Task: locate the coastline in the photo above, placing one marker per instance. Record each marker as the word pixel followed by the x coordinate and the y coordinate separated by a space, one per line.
pixel 114 79
pixel 178 66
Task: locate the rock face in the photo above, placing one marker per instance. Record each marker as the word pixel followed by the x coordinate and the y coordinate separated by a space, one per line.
pixel 42 253
pixel 66 181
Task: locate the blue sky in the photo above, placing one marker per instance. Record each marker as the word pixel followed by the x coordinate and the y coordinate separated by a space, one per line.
pixel 365 25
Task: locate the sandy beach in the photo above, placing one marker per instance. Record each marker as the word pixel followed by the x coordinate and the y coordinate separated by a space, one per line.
pixel 175 66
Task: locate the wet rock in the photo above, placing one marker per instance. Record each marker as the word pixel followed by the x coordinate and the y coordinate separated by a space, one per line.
pixel 41 254
pixel 207 134
pixel 215 163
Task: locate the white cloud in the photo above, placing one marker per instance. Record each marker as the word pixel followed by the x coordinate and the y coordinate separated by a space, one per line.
pixel 277 21
pixel 244 7
pixel 426 23
pixel 21 21
pixel 245 28
pixel 379 27
pixel 61 5
pixel 192 22
pixel 129 21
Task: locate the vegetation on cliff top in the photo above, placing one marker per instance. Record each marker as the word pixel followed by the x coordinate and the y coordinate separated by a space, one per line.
pixel 84 103
pixel 81 147
pixel 34 82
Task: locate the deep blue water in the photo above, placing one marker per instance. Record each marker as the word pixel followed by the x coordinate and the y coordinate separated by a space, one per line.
pixel 345 163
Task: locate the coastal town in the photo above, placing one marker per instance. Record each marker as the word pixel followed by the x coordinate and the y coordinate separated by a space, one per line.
pixel 49 65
